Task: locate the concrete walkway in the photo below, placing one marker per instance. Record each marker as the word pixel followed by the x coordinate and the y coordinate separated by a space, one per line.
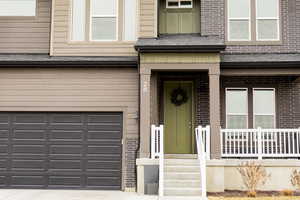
pixel 7 194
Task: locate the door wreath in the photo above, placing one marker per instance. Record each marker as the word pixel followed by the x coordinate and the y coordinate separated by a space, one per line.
pixel 179 97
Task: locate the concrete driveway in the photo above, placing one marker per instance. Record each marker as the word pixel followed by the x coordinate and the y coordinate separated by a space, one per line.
pixel 12 194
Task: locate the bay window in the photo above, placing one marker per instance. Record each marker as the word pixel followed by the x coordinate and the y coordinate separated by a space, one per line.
pixel 102 20
pixel 253 20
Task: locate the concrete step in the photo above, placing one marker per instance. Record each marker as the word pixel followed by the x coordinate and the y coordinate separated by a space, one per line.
pixel 181 162
pixel 182 198
pixel 189 168
pixel 183 183
pixel 169 191
pixel 182 176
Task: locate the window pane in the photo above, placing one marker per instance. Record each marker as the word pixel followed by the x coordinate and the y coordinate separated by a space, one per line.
pixel 236 102
pixel 78 20
pixel 130 9
pixel 17 7
pixel 237 121
pixel 104 28
pixel 264 102
pixel 104 7
pixel 238 8
pixel 267 8
pixel 267 29
pixel 239 30
pixel 264 121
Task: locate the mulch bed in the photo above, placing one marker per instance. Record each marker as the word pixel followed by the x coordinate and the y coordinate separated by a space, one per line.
pixel 236 193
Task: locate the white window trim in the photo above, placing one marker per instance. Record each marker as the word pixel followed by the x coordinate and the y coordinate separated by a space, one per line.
pixel 274 90
pixel 179 4
pixel 243 114
pixel 104 16
pixel 238 18
pixel 267 18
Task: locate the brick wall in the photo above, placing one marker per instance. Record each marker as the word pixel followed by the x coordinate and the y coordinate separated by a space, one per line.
pixel 287 91
pixel 213 23
pixel 130 158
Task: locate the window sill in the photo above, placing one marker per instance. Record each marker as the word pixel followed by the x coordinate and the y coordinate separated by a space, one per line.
pixel 101 42
pixel 254 43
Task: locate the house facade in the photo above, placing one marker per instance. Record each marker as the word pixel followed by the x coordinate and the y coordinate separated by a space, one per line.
pixel 82 81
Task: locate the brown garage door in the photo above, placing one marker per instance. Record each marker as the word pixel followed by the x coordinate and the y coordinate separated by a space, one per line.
pixel 61 150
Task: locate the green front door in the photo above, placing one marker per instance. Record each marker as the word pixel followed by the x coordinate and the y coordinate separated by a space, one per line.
pixel 178 118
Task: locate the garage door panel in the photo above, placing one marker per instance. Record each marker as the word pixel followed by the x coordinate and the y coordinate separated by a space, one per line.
pixel 61 150
pixel 109 182
pixel 66 149
pixel 32 135
pixel 70 165
pixel 100 135
pixel 95 165
pixel 25 180
pixel 3 164
pixel 28 149
pixel 66 135
pixel 28 165
pixel 65 181
pixel 98 149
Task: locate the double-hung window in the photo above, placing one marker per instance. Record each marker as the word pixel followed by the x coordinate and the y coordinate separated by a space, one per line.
pixel 264 108
pixel 239 21
pixel 104 20
pixel 253 20
pixel 259 112
pixel 23 8
pixel 237 108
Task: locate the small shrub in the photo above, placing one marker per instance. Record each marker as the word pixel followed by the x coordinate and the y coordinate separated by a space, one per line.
pixel 251 194
pixel 295 179
pixel 287 193
pixel 252 175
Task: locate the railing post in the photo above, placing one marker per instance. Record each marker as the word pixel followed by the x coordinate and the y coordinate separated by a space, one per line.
pixel 259 140
pixel 153 142
pixel 207 142
pixel 161 161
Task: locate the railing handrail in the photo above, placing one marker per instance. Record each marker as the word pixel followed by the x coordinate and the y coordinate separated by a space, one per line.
pixel 157 151
pixel 202 157
pixel 259 143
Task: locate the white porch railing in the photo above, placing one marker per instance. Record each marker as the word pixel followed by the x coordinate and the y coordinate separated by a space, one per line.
pixel 200 132
pixel 260 143
pixel 157 151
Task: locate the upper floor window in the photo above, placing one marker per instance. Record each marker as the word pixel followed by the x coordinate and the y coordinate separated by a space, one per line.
pixel 102 20
pixel 253 20
pixel 17 8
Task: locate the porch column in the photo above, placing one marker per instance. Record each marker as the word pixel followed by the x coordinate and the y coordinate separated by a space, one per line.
pixel 145 77
pixel 214 109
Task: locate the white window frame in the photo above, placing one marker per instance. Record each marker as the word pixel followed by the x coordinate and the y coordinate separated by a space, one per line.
pixel 104 16
pixel 34 14
pixel 274 90
pixel 267 18
pixel 242 114
pixel 240 18
pixel 179 4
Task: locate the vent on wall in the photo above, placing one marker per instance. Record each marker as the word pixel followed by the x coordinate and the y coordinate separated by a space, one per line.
pixel 179 3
